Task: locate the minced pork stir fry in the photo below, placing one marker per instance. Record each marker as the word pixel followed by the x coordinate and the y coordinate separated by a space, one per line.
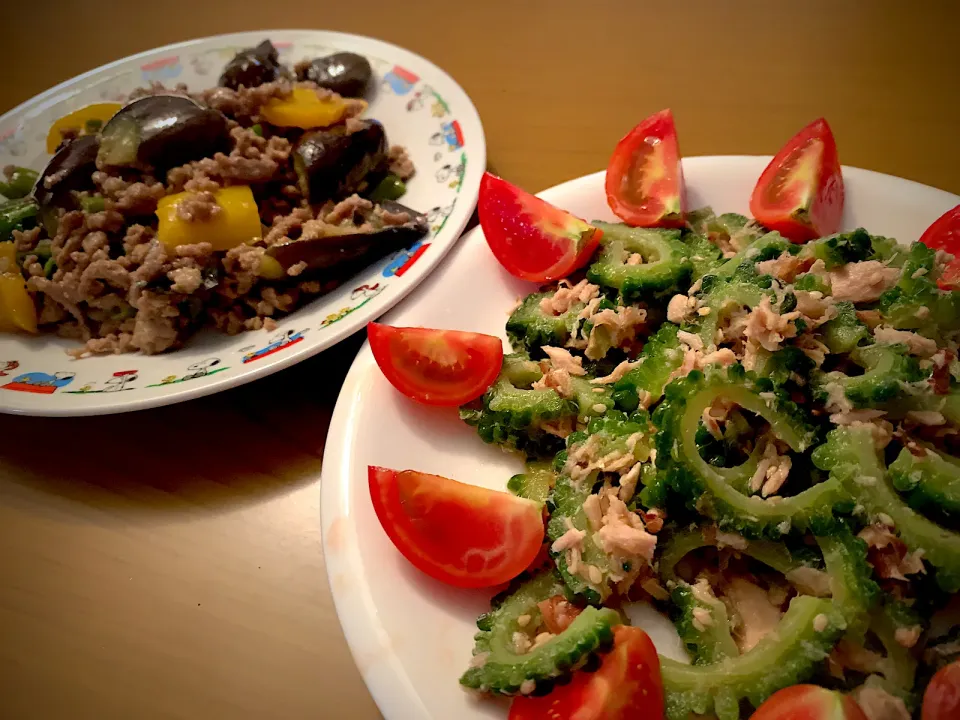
pixel 227 207
pixel 757 436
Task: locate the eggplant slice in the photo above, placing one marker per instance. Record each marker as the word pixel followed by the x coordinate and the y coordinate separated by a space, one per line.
pixel 352 250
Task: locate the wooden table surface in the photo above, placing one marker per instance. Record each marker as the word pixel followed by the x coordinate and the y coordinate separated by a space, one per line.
pixel 167 564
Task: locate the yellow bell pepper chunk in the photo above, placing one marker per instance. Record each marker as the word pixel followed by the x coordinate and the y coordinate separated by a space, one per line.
pixel 17 311
pixel 303 108
pixel 237 222
pixel 97 113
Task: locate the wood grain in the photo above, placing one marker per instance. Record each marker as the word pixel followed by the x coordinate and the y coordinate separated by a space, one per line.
pixel 167 564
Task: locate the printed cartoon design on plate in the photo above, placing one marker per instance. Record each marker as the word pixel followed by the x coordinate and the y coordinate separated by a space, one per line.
pixel 12 143
pixel 8 365
pixel 405 259
pixel 437 216
pixel 366 292
pixel 400 81
pixel 200 369
pixel 115 383
pixel 453 174
pixel 39 383
pixel 420 99
pixel 450 135
pixel 276 343
pixel 162 70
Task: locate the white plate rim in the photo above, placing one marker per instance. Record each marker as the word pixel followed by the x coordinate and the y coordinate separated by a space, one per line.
pixel 456 222
pixel 386 680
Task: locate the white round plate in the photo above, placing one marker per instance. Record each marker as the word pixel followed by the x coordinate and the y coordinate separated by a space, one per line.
pixel 411 637
pixel 420 106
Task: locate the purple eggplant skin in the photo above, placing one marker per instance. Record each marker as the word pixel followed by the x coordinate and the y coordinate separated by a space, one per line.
pixel 71 168
pixel 331 164
pixel 160 132
pixel 252 67
pixel 352 250
pixel 345 73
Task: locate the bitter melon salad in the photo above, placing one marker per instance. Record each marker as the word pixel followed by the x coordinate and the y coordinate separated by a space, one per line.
pixel 749 424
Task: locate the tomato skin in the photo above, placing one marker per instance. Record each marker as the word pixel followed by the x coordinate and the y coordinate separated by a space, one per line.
pixel 944 234
pixel 436 367
pixel 941 699
pixel 459 534
pixel 644 181
pixel 531 238
pixel 800 193
pixel 809 702
pixel 627 686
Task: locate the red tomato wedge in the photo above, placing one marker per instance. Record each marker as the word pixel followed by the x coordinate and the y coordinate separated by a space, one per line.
pixel 436 367
pixel 809 702
pixel 644 181
pixel 627 686
pixel 800 193
pixel 944 234
pixel 531 238
pixel 459 534
pixel 941 699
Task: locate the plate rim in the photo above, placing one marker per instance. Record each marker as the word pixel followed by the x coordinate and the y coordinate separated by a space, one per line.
pixel 456 223
pixel 386 682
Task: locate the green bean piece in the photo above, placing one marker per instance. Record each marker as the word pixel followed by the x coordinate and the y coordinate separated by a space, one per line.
pixel 92 204
pixel 49 267
pixel 257 130
pixel 20 183
pixel 390 188
pixel 16 215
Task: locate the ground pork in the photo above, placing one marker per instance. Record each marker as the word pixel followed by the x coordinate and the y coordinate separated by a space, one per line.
pixel 347 210
pixel 129 198
pixel 400 163
pixel 156 328
pixel 198 207
pixel 862 281
pixel 245 104
pixel 253 160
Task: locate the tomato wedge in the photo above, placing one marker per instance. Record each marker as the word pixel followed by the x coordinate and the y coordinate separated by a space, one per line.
pixel 944 234
pixel 459 534
pixel 531 238
pixel 808 702
pixel 800 193
pixel 627 686
pixel 644 182
pixel 436 367
pixel 941 699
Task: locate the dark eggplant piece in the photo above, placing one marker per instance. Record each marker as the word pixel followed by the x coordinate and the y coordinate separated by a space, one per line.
pixel 252 67
pixel 161 132
pixel 345 73
pixel 352 250
pixel 331 164
pixel 71 168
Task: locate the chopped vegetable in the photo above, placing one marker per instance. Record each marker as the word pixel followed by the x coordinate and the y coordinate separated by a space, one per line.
pixel 390 188
pixel 305 109
pixel 944 235
pixel 644 181
pixel 19 183
pixel 531 238
pixel 436 367
pixel 809 702
pixel 459 534
pixel 80 120
pixel 230 218
pixel 800 193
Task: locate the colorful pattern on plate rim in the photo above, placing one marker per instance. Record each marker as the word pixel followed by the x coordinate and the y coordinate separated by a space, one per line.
pixel 450 163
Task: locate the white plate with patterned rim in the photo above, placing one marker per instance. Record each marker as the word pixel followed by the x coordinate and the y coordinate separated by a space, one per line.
pixel 420 107
pixel 411 636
